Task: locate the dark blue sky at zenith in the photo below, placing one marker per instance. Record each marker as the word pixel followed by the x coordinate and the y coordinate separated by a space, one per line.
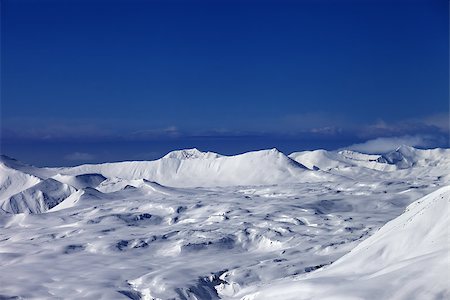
pixel 92 81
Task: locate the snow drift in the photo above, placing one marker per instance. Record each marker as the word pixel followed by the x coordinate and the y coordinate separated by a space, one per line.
pixel 13 181
pixel 81 181
pixel 38 198
pixel 408 258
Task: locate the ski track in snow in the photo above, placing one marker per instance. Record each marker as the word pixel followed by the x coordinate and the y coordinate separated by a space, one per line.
pixel 119 238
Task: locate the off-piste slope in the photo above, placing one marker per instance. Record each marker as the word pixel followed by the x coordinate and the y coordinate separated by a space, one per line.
pixel 13 181
pixel 28 189
pixel 408 258
pixel 189 168
pixel 407 157
pixel 38 198
pixel 341 160
pixel 17 165
pixel 81 181
pixel 403 157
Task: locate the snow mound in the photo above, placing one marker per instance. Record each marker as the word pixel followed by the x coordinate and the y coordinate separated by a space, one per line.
pixel 117 184
pixel 408 258
pixel 87 195
pixel 81 181
pixel 38 198
pixel 318 159
pixel 70 201
pixel 13 181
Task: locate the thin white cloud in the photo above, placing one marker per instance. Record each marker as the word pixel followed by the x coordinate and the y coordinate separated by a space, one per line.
pixel 311 120
pixel 386 144
pixel 441 121
pixel 79 156
pixel 171 131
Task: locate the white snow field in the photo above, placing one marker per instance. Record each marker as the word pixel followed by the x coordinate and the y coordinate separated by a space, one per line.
pixel 408 258
pixel 260 225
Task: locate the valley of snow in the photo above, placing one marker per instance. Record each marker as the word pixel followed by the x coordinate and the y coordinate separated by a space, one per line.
pixel 260 225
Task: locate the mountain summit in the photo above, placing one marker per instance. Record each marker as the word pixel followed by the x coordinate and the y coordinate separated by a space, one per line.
pixel 193 153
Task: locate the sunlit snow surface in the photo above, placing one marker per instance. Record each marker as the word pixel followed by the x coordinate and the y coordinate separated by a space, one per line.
pixel 118 234
pixel 408 258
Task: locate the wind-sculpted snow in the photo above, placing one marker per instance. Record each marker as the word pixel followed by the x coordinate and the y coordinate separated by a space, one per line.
pixel 38 198
pixel 223 227
pixel 408 258
pixel 13 181
pixel 81 181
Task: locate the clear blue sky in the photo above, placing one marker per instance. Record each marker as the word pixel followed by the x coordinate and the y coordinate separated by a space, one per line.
pixel 173 74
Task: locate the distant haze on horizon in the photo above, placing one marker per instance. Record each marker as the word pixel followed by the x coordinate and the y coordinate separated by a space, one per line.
pixel 96 81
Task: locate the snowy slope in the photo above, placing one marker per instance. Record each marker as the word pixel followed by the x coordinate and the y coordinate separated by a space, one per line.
pixel 38 198
pixel 327 160
pixel 149 241
pixel 196 225
pixel 408 258
pixel 407 157
pixel 403 157
pixel 81 181
pixel 14 164
pixel 188 168
pixel 13 181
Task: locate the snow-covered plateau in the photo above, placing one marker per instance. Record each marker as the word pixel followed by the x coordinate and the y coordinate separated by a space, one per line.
pixel 260 225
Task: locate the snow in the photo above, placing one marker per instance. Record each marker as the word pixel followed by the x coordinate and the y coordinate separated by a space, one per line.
pixel 189 168
pixel 13 181
pixel 408 258
pixel 193 153
pixel 38 198
pixel 196 225
pixel 81 181
pixel 328 160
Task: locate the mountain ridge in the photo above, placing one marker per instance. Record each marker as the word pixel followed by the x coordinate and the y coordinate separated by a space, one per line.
pixel 192 168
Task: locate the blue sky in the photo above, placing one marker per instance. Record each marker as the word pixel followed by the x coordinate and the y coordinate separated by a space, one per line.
pixel 117 80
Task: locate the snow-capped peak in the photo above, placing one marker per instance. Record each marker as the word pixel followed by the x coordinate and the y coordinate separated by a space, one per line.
pixel 193 153
pixel 404 157
pixel 9 161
